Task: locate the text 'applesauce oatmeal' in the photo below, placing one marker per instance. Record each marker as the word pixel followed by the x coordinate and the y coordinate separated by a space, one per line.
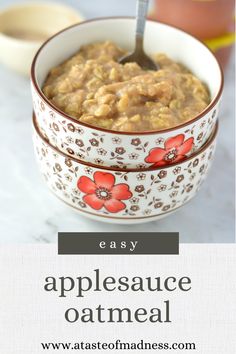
pixel 95 89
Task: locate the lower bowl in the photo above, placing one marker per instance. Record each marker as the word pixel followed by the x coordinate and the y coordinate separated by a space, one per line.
pixel 126 197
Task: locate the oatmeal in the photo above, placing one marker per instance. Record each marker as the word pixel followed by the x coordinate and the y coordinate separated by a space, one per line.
pixel 95 89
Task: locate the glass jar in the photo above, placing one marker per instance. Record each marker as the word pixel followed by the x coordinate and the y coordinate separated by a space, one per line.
pixel 212 21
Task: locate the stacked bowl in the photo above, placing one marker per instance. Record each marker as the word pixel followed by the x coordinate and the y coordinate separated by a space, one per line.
pixel 124 177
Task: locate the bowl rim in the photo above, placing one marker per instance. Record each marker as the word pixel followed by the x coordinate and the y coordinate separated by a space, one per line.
pixel 210 140
pixel 116 132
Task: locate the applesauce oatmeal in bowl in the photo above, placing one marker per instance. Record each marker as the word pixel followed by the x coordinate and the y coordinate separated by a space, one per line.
pixel 96 110
pixel 94 88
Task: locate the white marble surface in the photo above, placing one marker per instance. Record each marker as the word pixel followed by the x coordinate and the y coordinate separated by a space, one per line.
pixel 29 213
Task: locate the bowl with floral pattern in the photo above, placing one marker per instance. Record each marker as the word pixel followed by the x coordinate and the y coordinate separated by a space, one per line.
pixel 127 150
pixel 122 196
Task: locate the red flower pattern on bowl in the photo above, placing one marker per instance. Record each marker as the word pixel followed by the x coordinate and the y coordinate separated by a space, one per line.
pixel 175 149
pixel 102 192
pixel 124 197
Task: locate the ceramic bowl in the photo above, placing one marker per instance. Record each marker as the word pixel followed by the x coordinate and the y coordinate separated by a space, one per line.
pixel 121 149
pixel 24 27
pixel 113 195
